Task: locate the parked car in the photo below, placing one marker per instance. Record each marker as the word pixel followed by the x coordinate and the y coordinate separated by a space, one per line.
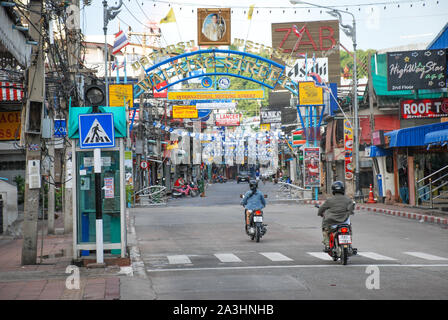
pixel 242 176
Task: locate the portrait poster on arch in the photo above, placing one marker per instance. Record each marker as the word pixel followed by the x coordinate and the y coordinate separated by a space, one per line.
pixel 214 26
pixel 311 159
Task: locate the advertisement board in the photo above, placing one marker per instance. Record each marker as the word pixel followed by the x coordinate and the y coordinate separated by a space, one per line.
pixel 162 93
pixel 311 160
pixel 320 38
pixel 419 69
pixel 270 116
pixel 309 94
pixel 118 93
pixel 228 119
pixel 10 125
pixel 301 68
pixel 185 112
pixel 424 108
pixel 348 148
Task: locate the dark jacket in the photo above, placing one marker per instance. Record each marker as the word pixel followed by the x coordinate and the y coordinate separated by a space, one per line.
pixel 338 209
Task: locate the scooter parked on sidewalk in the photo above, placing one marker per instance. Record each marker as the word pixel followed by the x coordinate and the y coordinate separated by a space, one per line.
pixel 341 242
pixel 185 190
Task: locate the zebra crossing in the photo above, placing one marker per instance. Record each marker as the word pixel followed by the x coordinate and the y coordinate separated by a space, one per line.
pixel 245 258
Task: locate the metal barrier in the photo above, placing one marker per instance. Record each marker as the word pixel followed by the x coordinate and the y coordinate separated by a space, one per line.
pixel 287 191
pixel 150 196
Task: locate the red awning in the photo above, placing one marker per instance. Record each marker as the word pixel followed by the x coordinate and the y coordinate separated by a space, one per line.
pixel 11 91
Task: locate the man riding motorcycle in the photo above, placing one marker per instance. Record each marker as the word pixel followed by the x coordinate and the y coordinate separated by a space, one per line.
pixel 338 210
pixel 252 200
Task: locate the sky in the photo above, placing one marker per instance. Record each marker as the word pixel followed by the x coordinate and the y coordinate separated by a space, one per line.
pixel 380 24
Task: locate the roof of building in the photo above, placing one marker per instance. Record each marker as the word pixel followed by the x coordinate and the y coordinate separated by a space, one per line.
pixel 441 40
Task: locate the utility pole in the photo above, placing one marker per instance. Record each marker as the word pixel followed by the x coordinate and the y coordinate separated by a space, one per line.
pixel 32 126
pixel 73 49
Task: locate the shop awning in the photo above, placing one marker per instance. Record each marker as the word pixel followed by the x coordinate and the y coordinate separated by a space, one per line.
pixel 10 91
pixel 413 137
pixel 379 152
pixel 437 137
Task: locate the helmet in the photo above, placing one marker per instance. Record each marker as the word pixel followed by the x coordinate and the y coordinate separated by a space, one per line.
pixel 253 185
pixel 338 187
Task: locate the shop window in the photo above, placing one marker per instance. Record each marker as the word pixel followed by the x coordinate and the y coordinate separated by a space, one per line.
pixel 365 179
pixel 340 133
pixel 389 164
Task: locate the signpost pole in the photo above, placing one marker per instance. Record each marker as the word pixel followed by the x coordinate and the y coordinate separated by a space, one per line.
pixel 98 206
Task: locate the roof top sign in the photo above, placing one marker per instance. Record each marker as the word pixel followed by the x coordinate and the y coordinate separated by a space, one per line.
pixel 96 130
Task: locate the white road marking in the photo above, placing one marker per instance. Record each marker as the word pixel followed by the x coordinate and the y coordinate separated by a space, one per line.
pixel 335 265
pixel 374 256
pixel 321 255
pixel 425 256
pixel 275 256
pixel 179 259
pixel 227 257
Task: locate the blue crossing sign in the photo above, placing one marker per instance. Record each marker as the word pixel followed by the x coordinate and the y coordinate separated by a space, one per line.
pixel 96 130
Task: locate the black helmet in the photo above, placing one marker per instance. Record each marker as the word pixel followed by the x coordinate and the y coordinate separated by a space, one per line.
pixel 253 185
pixel 338 187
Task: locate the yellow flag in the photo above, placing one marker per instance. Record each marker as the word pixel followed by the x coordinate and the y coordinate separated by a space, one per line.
pixel 170 17
pixel 251 11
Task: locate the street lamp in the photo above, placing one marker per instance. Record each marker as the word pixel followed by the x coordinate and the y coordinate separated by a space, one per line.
pixel 350 32
pixel 109 14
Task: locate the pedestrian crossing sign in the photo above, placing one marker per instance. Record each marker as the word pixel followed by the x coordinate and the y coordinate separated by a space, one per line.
pixel 96 130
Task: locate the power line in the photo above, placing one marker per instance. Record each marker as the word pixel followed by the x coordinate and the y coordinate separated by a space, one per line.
pixel 305 6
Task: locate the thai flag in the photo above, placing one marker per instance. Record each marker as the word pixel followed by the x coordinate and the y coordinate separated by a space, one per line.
pixel 299 33
pixel 114 65
pixel 318 82
pixel 120 42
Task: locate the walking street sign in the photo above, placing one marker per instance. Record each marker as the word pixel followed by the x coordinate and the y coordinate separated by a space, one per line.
pixel 96 130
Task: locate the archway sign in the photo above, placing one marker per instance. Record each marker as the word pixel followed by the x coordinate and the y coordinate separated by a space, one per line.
pixel 250 64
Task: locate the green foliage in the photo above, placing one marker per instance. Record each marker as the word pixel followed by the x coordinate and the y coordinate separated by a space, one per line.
pixel 20 183
pixel 362 56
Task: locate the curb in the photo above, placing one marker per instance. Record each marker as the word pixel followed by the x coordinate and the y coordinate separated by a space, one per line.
pixel 397 213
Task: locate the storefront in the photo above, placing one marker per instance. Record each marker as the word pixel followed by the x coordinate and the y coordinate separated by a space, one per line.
pixel 413 159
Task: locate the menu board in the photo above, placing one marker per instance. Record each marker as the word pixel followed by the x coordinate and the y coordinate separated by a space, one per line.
pixel 419 69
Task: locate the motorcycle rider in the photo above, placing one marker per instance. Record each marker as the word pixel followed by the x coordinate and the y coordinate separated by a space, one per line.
pixel 252 200
pixel 338 210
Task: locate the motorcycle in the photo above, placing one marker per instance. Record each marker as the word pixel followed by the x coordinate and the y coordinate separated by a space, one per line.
pixel 341 242
pixel 185 190
pixel 254 226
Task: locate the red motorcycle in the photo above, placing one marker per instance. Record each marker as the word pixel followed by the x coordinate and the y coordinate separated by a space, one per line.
pixel 185 190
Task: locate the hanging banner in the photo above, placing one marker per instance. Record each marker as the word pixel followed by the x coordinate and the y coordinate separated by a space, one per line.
pixel 228 119
pixel 265 126
pixel 309 94
pixel 348 147
pixel 311 159
pixel 216 95
pixel 215 105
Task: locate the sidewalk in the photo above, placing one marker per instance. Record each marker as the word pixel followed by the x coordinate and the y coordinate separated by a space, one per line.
pixel 399 210
pixel 47 279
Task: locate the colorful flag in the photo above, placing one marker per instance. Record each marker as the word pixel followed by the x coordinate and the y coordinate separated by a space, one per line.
pixel 251 12
pixel 318 81
pixel 114 65
pixel 120 42
pixel 299 33
pixel 170 17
